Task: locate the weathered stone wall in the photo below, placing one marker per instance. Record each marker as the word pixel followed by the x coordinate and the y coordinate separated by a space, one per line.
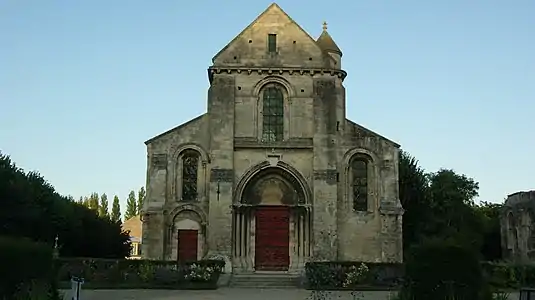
pixel 374 235
pixel 221 131
pixel 318 143
pixel 295 48
pixel 518 227
pixel 163 176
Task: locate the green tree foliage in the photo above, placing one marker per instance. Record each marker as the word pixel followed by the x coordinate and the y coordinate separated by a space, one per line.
pixel 103 207
pixel 116 210
pixel 140 199
pixel 490 215
pixel 32 208
pixel 27 270
pixel 443 269
pixel 94 200
pixel 413 185
pixel 131 206
pixel 441 205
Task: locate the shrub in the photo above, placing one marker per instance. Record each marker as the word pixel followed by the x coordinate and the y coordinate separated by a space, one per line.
pixel 333 275
pixel 27 269
pixel 443 270
pixel 110 273
pixel 504 276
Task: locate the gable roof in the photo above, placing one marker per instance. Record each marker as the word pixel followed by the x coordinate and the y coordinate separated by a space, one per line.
pixel 360 127
pixel 273 7
pixel 173 129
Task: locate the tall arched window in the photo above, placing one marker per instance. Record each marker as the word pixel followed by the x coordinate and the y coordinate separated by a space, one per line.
pixel 272 114
pixel 190 171
pixel 359 176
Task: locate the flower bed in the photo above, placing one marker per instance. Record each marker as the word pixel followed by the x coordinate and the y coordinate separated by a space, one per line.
pixel 343 275
pixel 140 274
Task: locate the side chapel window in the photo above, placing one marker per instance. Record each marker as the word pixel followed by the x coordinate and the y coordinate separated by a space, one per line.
pixel 190 170
pixel 359 170
pixel 272 114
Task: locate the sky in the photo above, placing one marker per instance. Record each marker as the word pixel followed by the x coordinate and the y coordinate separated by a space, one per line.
pixel 84 83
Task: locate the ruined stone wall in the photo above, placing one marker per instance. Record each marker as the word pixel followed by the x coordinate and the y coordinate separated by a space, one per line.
pixel 517 222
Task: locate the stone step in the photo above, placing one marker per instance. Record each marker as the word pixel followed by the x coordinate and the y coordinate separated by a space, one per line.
pixel 275 280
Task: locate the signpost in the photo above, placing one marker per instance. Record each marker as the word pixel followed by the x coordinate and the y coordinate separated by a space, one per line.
pixel 76 287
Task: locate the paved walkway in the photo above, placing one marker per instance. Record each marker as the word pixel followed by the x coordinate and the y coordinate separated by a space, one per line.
pixel 225 294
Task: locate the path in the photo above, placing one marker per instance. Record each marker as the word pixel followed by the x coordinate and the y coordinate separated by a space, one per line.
pixel 223 294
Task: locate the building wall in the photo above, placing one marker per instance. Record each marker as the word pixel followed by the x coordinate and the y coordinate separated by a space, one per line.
pixel 319 143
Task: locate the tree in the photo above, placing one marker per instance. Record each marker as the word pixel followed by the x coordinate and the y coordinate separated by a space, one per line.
pixel 116 210
pixel 140 199
pixel 440 205
pixel 491 249
pixel 86 202
pixel 32 208
pixel 94 201
pixel 103 208
pixel 452 203
pixel 131 203
pixel 413 186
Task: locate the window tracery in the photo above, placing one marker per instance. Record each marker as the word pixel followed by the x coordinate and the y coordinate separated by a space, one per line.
pixel 360 183
pixel 190 172
pixel 272 114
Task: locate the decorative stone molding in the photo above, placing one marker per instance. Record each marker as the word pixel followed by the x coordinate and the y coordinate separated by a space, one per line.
pixel 284 167
pixel 221 175
pixel 329 176
pixel 302 71
pixel 293 143
pixel 176 210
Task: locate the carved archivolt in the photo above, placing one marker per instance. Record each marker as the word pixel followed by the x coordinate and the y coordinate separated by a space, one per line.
pixel 201 217
pixel 281 180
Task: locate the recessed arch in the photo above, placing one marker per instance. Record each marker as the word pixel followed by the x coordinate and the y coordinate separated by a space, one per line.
pixel 187 207
pixel 288 89
pixel 288 176
pixel 191 146
pixel 372 184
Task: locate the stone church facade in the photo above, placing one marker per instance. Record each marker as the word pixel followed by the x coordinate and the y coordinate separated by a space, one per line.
pixel 273 175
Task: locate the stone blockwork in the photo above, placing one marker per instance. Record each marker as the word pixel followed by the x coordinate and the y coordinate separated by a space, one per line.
pixel 317 147
pixel 518 227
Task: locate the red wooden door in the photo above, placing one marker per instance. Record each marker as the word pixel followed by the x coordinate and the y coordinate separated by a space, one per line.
pixel 187 245
pixel 272 238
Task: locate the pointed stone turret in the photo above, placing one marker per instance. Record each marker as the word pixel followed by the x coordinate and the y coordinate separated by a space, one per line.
pixel 327 44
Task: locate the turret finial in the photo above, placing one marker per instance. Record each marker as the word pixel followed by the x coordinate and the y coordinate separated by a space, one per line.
pixel 324 26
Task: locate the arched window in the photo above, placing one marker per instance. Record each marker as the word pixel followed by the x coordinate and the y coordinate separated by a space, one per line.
pixel 272 114
pixel 190 171
pixel 359 176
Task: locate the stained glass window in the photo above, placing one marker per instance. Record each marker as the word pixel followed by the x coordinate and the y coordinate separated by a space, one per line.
pixel 273 114
pixel 190 164
pixel 359 169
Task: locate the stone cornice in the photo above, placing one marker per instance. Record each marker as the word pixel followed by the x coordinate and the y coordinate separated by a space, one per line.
pixel 274 70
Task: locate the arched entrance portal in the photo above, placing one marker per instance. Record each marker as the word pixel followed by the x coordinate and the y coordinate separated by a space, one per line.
pixel 271 223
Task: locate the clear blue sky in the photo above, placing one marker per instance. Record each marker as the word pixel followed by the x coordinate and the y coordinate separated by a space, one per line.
pixel 84 83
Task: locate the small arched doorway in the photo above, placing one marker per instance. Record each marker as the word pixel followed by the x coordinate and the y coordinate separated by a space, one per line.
pixel 271 222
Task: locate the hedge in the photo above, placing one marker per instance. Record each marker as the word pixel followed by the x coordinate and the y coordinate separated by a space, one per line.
pixel 501 276
pixel 26 270
pixel 331 275
pixel 140 274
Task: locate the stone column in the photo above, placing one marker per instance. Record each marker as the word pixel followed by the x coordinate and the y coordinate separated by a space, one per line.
pixel 221 112
pixel 325 145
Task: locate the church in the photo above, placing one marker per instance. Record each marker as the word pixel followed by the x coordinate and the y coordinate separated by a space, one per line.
pixel 273 175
